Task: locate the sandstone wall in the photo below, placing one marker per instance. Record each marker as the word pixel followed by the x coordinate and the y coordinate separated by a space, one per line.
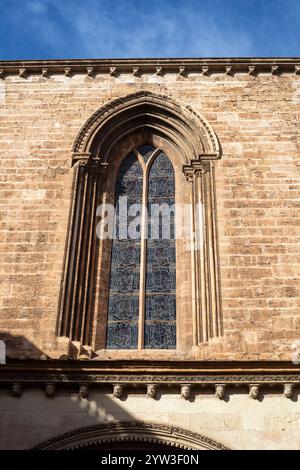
pixel 257 122
pixel 239 423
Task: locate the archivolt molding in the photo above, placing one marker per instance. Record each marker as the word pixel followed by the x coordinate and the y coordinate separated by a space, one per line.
pixel 131 431
pixel 187 130
pixel 197 145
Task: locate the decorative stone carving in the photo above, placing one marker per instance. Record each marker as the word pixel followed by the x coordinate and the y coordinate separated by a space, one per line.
pixel 90 71
pixel 45 72
pixel 84 391
pixel 195 138
pixel 220 390
pixel 182 72
pixel 172 65
pixel 228 70
pixel 254 391
pixel 98 434
pixel 1 73
pixel 274 69
pixel 297 69
pixel 16 390
pixel 205 70
pixel 288 390
pixel 112 71
pixel 22 73
pixel 50 390
pixel 251 70
pixel 185 391
pixel 151 390
pixel 67 71
pixel 118 391
pixel 136 71
pixel 158 71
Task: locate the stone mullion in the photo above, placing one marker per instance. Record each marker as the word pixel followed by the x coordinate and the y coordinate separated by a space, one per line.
pixel 65 318
pixel 91 257
pixel 143 262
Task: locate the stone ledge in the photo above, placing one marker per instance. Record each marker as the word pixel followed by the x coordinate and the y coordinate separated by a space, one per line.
pixel 137 67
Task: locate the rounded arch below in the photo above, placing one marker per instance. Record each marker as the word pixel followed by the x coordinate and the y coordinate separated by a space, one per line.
pixel 119 435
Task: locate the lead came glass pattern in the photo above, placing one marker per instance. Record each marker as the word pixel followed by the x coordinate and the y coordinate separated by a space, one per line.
pixel 160 313
pixel 123 305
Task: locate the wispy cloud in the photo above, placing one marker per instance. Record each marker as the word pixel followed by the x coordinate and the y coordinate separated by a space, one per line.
pixel 139 28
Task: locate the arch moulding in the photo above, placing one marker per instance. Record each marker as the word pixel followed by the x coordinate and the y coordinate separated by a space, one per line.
pixel 131 431
pixel 194 140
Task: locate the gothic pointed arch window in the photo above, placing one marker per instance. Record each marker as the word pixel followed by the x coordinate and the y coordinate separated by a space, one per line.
pixel 142 287
pixel 154 291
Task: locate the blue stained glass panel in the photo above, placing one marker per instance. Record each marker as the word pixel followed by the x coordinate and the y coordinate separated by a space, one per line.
pixel 122 335
pixel 123 305
pixel 160 302
pixel 146 152
pixel 160 335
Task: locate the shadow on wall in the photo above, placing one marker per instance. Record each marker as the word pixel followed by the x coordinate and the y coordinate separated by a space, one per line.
pixel 19 347
pixel 61 414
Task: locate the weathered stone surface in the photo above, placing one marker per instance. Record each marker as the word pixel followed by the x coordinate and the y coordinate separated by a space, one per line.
pixel 255 119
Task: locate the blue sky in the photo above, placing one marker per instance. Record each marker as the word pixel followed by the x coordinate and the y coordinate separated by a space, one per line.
pixel 45 29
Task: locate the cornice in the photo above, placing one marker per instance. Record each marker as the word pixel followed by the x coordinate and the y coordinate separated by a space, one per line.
pixel 144 365
pixel 157 66
pixel 130 374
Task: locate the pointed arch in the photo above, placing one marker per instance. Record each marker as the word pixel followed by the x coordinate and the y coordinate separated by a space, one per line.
pixel 131 431
pixel 188 131
pixel 95 152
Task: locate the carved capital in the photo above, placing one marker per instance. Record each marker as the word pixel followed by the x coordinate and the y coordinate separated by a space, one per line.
pixel 254 391
pixel 97 169
pixel 185 391
pixel 136 71
pixel 181 72
pixel 50 390
pixel 81 158
pixel 288 390
pixel 45 72
pixel 67 71
pixel 205 70
pixel 196 169
pixel 158 71
pixel 220 390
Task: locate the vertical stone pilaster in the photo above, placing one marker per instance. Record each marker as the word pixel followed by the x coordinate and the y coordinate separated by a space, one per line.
pixel 207 316
pixel 76 299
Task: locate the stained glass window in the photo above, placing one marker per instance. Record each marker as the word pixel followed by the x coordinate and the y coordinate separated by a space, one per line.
pixel 160 314
pixel 123 306
pixel 158 251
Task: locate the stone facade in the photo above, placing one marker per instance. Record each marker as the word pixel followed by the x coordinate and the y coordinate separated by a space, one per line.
pixel 253 107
